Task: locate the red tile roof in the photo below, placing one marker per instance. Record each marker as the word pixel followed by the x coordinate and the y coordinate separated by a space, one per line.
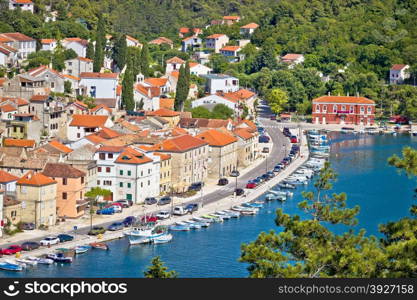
pixel 60 147
pixel 250 26
pixel 111 149
pixel 77 40
pixel 62 170
pixel 243 133
pixel 99 75
pixel 343 99
pixel 163 156
pixel 175 60
pixel 7 177
pixel 231 18
pixel 161 40
pixel 216 138
pixel 131 156
pixel 8 142
pixel 84 59
pixel 215 36
pixel 182 144
pixel 7 108
pixel 17 36
pixel 184 30
pixel 101 106
pixel 36 179
pixel 163 112
pixel 88 121
pixel 157 82
pixel 230 48
pixel 47 41
pixel 291 56
pixel 167 103
pixel 398 67
pixel 39 98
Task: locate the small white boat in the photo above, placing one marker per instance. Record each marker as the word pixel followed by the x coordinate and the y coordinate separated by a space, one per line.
pixel 11 262
pixel 81 249
pixel 163 239
pixel 193 225
pixel 232 214
pixel 26 261
pixel 203 220
pixel 223 215
pixel 41 260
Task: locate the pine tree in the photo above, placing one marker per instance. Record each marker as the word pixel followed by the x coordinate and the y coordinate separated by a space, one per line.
pixel 120 52
pixel 128 102
pixel 100 45
pixel 158 270
pixel 187 76
pixel 144 61
pixel 90 50
pixel 181 91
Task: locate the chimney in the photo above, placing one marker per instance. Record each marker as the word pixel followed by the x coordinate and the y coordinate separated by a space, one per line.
pixel 347 94
pixel 328 94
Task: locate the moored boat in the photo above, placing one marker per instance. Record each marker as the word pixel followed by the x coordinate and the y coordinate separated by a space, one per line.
pixel 145 233
pixel 60 258
pixel 41 260
pixel 26 261
pixel 10 267
pixel 101 246
pixel 163 239
pixel 81 249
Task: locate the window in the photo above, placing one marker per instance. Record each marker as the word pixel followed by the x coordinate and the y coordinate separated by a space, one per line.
pixel 64 196
pixel 362 109
pixel 121 184
pixel 110 155
pixel 344 108
pixel 129 173
pixel 99 169
pixel 78 135
pixel 324 108
pixel 82 180
pixel 351 109
pixel 107 169
pixel 129 185
pixel 317 108
pixel 121 172
pixel 98 182
pixel 102 155
pixel 369 109
pixel 64 181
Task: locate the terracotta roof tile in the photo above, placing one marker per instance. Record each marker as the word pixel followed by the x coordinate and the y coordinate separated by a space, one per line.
pixel 163 156
pixel 47 41
pixel 8 142
pixel 8 108
pixel 250 26
pixel 343 99
pixel 88 121
pixel 163 112
pixel 131 156
pixel 7 177
pixel 243 133
pixel 175 60
pixel 182 144
pixel 101 106
pixel 216 138
pixel 231 18
pixel 291 56
pixel 39 98
pixel 167 103
pixel 230 48
pixel 36 179
pixel 111 149
pixel 60 147
pixel 215 36
pixel 99 75
pixel 62 170
pixel 158 82
pixel 398 67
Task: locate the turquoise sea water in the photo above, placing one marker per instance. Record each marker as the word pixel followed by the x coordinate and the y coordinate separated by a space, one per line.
pixel 364 175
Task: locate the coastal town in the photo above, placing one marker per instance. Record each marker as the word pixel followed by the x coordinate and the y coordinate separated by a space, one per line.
pixel 102 133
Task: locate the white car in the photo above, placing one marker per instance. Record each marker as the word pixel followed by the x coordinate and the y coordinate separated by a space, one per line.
pixel 50 240
pixel 180 211
pixel 162 215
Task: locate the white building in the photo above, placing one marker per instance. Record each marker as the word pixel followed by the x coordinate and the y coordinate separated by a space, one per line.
pixel 25 5
pixel 132 42
pixel 82 125
pixel 173 64
pixel 190 43
pixel 48 44
pixel 146 98
pixel 212 100
pixel 8 55
pixel 220 83
pixel 216 42
pixel 128 173
pixel 398 73
pixel 292 59
pixel 99 85
pixel 78 65
pixel 248 29
pixel 7 182
pixel 199 69
pixel 77 44
pixel 22 43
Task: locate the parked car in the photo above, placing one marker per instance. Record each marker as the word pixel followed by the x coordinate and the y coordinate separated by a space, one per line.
pixel 180 211
pixel 65 237
pixel 258 180
pixel 11 250
pixel 271 174
pixel 273 117
pixel 251 185
pixel 28 226
pixel 234 173
pixel 116 226
pixel 96 230
pixel 126 203
pixel 263 139
pixel 117 208
pixel 150 200
pixel 129 221
pixel 162 215
pixel 223 181
pixel 28 246
pixel 149 219
pixel 106 211
pixel 265 150
pixel 239 192
pixel 277 169
pixel 196 186
pixel 114 204
pixel 164 200
pixel 50 240
pixel 293 139
pixel 265 177
pixel 191 207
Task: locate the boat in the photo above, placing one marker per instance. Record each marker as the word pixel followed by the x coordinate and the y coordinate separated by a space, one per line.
pixel 233 214
pixel 223 215
pixel 193 224
pixel 214 218
pixel 10 261
pixel 81 249
pixel 26 261
pixel 281 195
pixel 286 186
pixel 179 228
pixel 10 267
pixel 270 197
pixel 143 233
pixel 101 246
pixel 60 258
pixel 248 212
pixel 245 210
pixel 41 260
pixel 251 204
pixel 162 239
pixel 203 220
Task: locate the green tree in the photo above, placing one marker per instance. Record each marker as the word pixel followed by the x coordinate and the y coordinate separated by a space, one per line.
pixel 277 100
pixel 58 58
pixel 128 102
pixel 266 58
pixel 200 112
pixel 39 58
pixel 181 93
pixel 90 51
pixel 67 87
pixel 221 111
pixel 308 248
pixel 144 61
pixel 120 51
pixel 100 45
pixel 158 270
pixel 97 191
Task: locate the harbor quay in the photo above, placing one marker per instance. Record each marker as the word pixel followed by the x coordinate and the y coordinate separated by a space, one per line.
pixel 222 204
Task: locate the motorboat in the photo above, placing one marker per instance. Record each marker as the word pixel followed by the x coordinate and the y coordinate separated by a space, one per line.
pixel 192 224
pixel 231 213
pixel 252 205
pixel 284 194
pixel 41 260
pixel 101 246
pixel 176 227
pixel 295 181
pixel 145 233
pixel 286 186
pixel 60 258
pixel 271 197
pixel 245 210
pixel 223 215
pixel 81 249
pixel 203 220
pixel 7 266
pixel 10 261
pixel 163 239
pixel 27 262
pixel 214 218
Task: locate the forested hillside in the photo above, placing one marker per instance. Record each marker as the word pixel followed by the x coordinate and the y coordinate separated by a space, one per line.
pixel 353 42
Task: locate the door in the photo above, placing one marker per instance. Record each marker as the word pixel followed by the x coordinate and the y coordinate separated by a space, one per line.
pixel 129 196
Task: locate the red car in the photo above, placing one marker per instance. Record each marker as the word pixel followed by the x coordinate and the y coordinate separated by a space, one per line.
pixel 251 185
pixel 149 219
pixel 114 204
pixel 12 250
pixel 294 140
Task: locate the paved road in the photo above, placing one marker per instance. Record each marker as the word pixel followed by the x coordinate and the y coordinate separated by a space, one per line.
pixel 277 153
